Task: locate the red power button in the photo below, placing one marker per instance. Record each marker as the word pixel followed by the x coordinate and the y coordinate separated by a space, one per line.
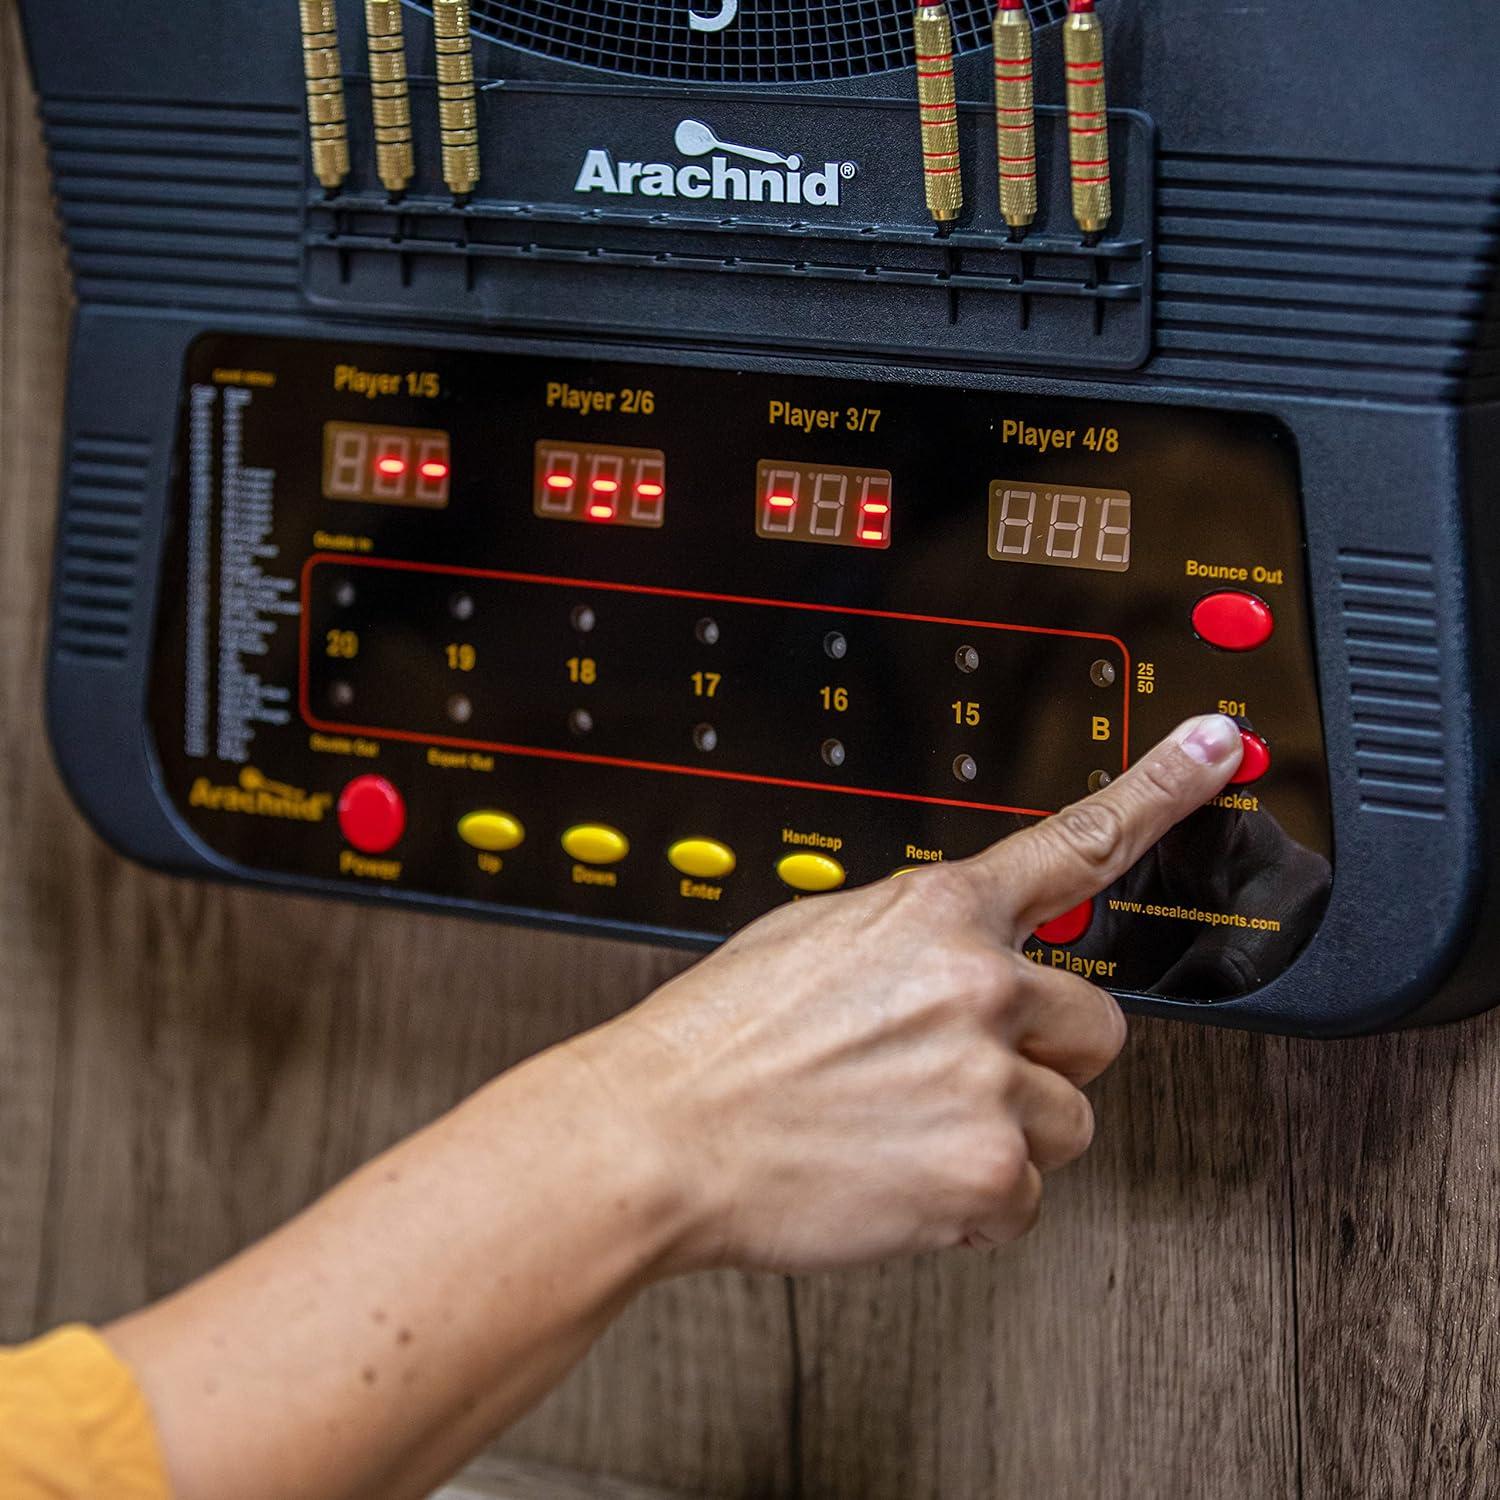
pixel 372 814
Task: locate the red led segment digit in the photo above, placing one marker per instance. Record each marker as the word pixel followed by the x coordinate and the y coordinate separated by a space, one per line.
pixel 433 471
pixel 392 461
pixel 875 510
pixel 780 489
pixel 648 492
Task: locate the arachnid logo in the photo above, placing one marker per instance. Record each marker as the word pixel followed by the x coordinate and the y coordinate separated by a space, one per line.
pixel 781 179
pixel 259 797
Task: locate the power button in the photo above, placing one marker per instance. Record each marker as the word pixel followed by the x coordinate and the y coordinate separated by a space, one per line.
pixel 372 814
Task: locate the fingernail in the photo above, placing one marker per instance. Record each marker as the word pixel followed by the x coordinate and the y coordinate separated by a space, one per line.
pixel 1211 740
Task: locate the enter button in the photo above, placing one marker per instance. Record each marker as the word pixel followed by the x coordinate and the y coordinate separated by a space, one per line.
pixel 1233 621
pixel 703 859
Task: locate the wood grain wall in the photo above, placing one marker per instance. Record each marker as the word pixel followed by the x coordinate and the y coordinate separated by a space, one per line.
pixel 1275 1275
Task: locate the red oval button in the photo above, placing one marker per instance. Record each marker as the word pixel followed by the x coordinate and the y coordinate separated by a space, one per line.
pixel 1256 761
pixel 1233 621
pixel 372 814
pixel 1069 927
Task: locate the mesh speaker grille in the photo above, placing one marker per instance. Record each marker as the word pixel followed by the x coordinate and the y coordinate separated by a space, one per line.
pixel 769 41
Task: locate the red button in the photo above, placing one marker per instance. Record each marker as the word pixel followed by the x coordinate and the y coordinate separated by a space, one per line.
pixel 1233 621
pixel 372 814
pixel 1256 761
pixel 1069 927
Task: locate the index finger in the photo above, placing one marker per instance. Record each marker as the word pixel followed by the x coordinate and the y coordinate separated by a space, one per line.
pixel 1075 854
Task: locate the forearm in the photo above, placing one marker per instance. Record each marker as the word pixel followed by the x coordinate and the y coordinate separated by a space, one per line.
pixel 372 1344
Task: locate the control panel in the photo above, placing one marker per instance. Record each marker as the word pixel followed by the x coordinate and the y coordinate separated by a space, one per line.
pixel 655 648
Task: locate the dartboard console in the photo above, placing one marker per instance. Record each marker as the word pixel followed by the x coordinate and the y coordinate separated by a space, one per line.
pixel 626 466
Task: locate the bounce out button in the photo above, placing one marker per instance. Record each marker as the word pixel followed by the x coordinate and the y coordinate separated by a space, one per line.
pixel 810 872
pixel 372 814
pixel 1069 927
pixel 1233 621
pixel 595 844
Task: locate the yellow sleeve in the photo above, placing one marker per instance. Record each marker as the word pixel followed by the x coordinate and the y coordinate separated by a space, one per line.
pixel 74 1424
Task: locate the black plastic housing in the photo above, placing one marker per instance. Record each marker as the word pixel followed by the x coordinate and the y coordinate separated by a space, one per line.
pixel 1307 228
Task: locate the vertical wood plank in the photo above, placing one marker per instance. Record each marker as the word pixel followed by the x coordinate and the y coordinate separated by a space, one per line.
pixel 33 317
pixel 184 1065
pixel 1138 1344
pixel 1397 1199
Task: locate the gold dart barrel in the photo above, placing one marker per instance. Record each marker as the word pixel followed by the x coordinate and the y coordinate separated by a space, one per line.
pixel 1015 114
pixel 327 129
pixel 1088 124
pixel 941 175
pixel 390 102
pixel 458 113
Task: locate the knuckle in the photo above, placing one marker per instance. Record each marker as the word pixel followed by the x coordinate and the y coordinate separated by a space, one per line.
pixel 1114 1026
pixel 1029 1209
pixel 1079 1135
pixel 945 889
pixel 1163 777
pixel 1091 831
pixel 988 975
pixel 1003 1166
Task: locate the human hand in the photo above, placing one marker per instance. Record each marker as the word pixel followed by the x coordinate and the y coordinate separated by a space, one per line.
pixel 881 1071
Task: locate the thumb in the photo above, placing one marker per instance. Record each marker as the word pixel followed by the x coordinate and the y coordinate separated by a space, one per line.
pixel 1075 854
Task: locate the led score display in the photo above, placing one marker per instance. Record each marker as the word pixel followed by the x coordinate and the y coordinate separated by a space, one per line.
pixel 387 465
pixel 600 485
pixel 1075 527
pixel 823 503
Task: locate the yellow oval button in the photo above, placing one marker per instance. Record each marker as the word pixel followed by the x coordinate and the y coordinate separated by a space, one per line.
pixel 595 844
pixel 810 872
pixel 492 831
pixel 705 859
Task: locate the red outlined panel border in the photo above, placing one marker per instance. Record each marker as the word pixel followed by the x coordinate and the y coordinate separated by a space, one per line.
pixel 581 757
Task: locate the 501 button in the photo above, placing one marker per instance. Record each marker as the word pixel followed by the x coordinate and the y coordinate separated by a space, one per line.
pixel 703 859
pixel 810 872
pixel 493 832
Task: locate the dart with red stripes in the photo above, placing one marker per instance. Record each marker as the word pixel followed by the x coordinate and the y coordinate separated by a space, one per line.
pixel 1015 115
pixel 1088 124
pixel 941 174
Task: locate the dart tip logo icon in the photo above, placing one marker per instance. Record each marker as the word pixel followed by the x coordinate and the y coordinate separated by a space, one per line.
pixel 779 179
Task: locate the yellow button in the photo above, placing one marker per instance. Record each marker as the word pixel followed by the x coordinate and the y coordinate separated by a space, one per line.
pixel 810 872
pixel 705 859
pixel 494 832
pixel 595 844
